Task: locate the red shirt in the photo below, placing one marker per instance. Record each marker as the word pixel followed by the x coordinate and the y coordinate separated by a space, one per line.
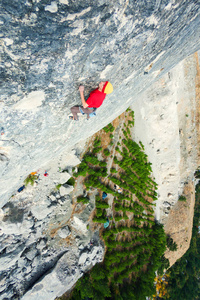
pixel 96 98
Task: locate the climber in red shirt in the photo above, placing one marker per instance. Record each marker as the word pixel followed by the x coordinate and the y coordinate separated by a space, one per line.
pixel 94 101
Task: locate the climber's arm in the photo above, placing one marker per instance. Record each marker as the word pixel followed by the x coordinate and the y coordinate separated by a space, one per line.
pixel 81 90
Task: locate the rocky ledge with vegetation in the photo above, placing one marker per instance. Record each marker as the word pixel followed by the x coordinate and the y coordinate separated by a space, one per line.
pixel 116 172
pixel 109 181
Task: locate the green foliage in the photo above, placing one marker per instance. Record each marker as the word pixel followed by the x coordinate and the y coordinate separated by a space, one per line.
pixel 184 274
pixel 103 164
pixel 71 181
pixel 182 198
pixel 131 114
pixel 163 266
pixel 98 273
pixel 99 212
pixel 96 150
pixel 171 244
pixel 197 174
pixel 99 220
pixel 134 249
pixel 142 146
pixel 109 128
pixel 106 152
pixel 82 169
pixel 58 186
pixel 128 131
pixel 94 285
pixel 118 218
pixel 97 142
pixel 102 204
pixel 113 170
pixel 75 174
pixel 82 199
pixel 130 123
pixel 91 159
pixel 30 179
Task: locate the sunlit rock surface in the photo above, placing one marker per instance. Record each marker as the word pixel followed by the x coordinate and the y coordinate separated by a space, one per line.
pixel 45 244
pixel 167 123
pixel 48 49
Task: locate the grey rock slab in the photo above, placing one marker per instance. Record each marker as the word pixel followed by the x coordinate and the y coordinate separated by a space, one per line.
pixel 2 285
pixel 12 227
pixel 7 262
pixel 31 239
pixel 166 204
pixel 79 225
pixel 62 177
pixel 54 283
pixel 41 211
pixel 81 247
pixel 94 255
pixel 12 247
pixel 21 262
pixel 65 274
pixel 69 160
pixel 52 197
pixel 64 232
pixel 65 190
pixel 36 262
pixel 31 253
pixel 83 258
pixel 28 270
pixel 36 100
pixel 41 245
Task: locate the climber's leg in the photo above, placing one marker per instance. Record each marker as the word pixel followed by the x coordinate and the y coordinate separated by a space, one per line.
pixel 75 110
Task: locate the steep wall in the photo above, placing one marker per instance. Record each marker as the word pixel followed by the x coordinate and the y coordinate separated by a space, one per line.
pixel 48 49
pixel 167 123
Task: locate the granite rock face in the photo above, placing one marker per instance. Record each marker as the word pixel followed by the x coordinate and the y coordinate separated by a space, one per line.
pixel 44 250
pixel 50 48
pixel 167 123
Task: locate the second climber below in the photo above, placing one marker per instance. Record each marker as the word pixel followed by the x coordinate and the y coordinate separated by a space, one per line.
pixel 94 101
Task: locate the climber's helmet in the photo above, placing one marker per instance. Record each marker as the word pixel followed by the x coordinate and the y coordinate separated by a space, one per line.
pixel 105 87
